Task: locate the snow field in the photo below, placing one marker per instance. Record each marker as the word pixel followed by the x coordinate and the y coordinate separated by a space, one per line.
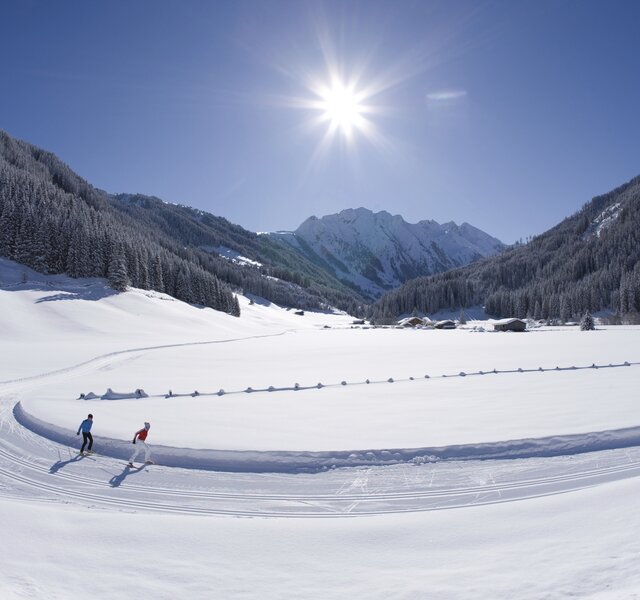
pixel 89 525
pixel 150 341
pixel 403 414
pixel 389 416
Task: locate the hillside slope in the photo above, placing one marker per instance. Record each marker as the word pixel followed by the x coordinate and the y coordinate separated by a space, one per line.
pixel 256 264
pixel 588 262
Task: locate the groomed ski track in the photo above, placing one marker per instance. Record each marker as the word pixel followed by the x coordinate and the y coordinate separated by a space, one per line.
pixel 33 468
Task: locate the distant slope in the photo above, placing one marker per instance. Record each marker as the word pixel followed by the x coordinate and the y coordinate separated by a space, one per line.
pixel 589 261
pixel 54 221
pixel 377 251
pixel 254 263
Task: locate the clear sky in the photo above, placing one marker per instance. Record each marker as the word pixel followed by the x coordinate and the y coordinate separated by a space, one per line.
pixel 508 115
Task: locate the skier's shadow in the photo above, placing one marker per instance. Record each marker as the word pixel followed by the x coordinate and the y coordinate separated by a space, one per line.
pixel 55 467
pixel 117 480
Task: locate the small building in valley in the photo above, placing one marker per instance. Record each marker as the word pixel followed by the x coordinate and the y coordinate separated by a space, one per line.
pixel 446 324
pixel 411 322
pixel 510 325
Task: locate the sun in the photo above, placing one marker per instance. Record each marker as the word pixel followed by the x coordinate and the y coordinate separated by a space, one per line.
pixel 342 107
pixel 346 93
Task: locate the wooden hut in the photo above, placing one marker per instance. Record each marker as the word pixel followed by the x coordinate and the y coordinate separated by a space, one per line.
pixel 411 322
pixel 510 325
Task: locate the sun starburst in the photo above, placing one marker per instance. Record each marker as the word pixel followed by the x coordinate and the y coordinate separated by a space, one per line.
pixel 342 107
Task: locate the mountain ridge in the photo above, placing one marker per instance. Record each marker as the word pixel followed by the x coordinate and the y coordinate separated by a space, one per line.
pixel 377 251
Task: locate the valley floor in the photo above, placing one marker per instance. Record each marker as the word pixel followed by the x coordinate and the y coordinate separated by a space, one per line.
pixel 557 520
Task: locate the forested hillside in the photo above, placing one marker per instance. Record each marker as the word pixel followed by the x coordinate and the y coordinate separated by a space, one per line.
pixel 588 262
pixel 55 222
pixel 274 270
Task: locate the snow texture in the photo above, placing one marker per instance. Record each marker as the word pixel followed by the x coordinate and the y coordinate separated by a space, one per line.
pixel 312 527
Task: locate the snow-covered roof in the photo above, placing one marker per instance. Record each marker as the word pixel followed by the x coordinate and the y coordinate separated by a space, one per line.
pixel 508 321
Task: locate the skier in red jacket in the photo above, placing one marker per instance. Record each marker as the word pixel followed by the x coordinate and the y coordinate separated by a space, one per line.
pixel 141 436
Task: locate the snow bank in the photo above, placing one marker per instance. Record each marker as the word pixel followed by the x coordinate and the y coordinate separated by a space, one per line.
pixel 248 461
pixel 111 395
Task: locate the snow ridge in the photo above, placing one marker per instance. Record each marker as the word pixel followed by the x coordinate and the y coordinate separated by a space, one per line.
pixel 248 461
pixel 296 387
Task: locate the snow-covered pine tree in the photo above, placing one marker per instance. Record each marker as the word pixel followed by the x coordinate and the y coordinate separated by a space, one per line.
pixel 183 287
pixel 118 278
pixel 587 323
pixel 235 308
pixel 156 278
pixel 565 308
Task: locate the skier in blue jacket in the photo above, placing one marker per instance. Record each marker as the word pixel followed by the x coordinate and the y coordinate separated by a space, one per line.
pixel 85 427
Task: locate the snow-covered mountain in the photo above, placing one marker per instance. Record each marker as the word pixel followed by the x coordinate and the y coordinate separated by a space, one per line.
pixel 380 251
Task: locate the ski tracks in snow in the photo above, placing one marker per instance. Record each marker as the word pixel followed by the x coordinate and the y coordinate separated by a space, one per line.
pixel 104 360
pixel 34 468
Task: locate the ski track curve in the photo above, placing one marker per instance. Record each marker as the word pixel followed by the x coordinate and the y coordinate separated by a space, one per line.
pixel 28 473
pixel 42 470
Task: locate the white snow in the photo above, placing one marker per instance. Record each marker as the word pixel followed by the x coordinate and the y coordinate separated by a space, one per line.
pixel 111 395
pixel 232 255
pixel 606 218
pixel 560 523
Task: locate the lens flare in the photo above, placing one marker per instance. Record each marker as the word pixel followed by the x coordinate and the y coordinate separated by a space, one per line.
pixel 342 107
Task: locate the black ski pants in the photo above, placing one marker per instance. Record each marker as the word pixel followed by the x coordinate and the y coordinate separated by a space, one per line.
pixel 87 437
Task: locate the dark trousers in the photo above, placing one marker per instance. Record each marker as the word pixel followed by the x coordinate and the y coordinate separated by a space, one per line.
pixel 86 436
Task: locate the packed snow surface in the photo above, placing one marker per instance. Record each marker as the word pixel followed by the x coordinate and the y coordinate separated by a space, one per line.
pixel 270 416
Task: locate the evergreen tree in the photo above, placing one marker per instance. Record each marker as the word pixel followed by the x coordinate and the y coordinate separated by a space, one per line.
pixel 587 323
pixel 118 278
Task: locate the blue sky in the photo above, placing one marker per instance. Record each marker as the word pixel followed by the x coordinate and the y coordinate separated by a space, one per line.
pixel 507 115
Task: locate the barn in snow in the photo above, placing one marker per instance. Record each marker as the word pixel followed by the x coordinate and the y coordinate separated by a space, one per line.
pixel 412 322
pixel 510 325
